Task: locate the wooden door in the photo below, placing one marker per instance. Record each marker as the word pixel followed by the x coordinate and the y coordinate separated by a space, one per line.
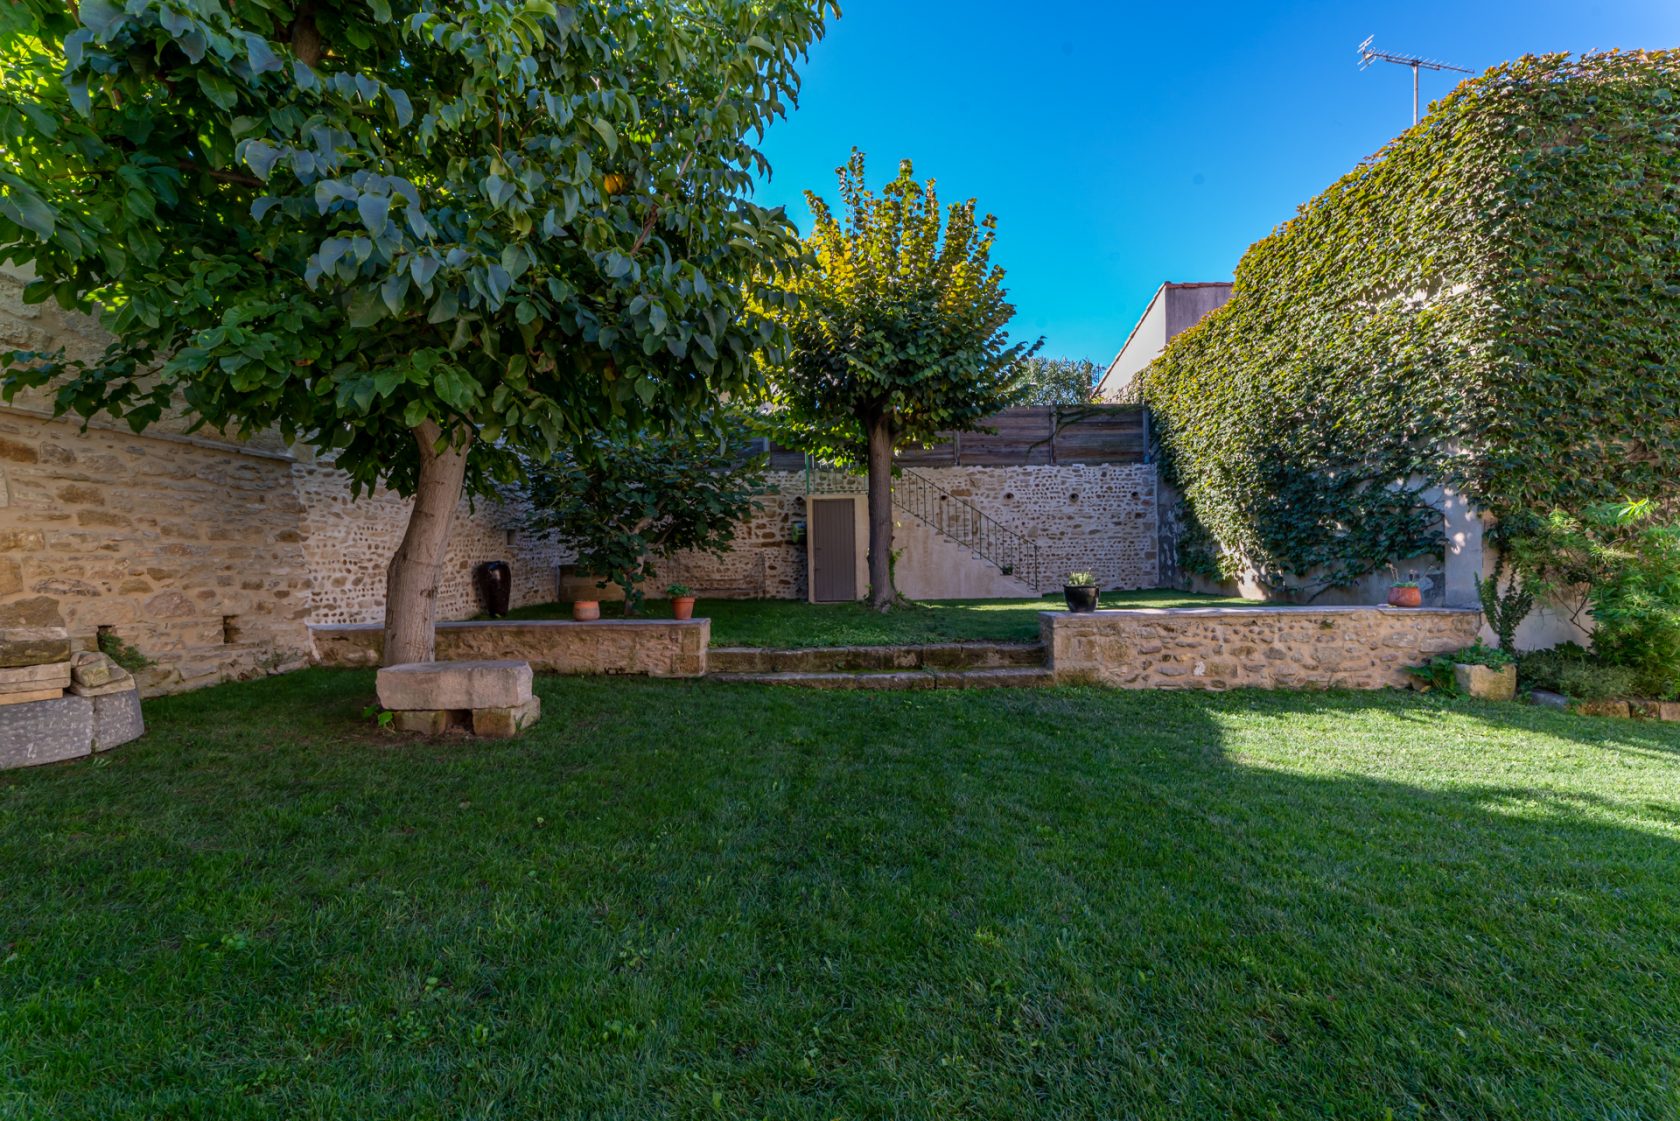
pixel 833 550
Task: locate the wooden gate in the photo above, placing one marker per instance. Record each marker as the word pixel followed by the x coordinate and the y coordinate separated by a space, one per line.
pixel 833 550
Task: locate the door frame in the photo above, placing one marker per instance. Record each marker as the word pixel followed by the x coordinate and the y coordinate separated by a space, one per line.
pixel 860 541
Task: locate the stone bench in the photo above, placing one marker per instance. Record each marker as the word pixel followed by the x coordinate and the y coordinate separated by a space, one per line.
pixel 492 698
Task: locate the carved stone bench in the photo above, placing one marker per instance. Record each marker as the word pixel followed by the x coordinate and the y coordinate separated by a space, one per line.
pixel 492 698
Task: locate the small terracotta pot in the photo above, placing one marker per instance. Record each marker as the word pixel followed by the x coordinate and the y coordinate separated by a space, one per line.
pixel 1405 597
pixel 586 610
pixel 682 607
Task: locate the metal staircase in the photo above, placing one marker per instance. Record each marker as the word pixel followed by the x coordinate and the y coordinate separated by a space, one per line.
pixel 956 519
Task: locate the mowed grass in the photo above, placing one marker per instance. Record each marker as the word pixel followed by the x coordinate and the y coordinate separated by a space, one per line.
pixel 687 900
pixel 791 624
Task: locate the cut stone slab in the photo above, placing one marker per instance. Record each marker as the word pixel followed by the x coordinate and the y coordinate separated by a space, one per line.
pixel 501 723
pixel 116 718
pixel 453 685
pixel 31 679
pixel 31 697
pixel 124 684
pixel 1487 683
pixel 38 611
pixel 1600 708
pixel 33 646
pixel 45 731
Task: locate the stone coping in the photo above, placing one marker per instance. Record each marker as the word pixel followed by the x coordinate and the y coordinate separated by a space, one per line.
pixel 1259 609
pixel 466 624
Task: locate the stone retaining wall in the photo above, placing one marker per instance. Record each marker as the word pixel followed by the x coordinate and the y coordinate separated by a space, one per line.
pixel 1261 647
pixel 649 647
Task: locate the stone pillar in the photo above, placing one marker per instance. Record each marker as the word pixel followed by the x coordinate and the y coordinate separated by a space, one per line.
pixel 1463 567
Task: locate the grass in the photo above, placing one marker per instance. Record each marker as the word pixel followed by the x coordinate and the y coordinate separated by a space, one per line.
pixel 788 624
pixel 699 900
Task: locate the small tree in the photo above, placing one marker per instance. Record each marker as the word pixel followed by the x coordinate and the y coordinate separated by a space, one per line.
pixel 413 233
pixel 634 498
pixel 1059 381
pixel 896 325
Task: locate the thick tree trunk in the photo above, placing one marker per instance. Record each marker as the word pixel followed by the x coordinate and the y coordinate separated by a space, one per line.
pixel 882 594
pixel 411 580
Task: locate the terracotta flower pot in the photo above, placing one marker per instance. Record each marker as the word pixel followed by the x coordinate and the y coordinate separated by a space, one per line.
pixel 586 610
pixel 682 607
pixel 1405 597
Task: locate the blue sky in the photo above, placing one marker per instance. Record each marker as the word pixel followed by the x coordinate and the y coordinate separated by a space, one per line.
pixel 1122 145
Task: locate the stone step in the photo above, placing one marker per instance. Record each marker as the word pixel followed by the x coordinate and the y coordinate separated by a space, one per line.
pixel 855 659
pixel 1007 677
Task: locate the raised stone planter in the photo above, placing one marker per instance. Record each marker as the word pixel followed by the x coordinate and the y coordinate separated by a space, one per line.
pixel 1487 683
pixel 490 698
pixel 1264 647
pixel 651 647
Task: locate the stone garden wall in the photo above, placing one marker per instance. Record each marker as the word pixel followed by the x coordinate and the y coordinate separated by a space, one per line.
pixel 1262 647
pixel 649 647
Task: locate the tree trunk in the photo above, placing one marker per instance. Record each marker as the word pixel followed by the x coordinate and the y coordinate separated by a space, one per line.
pixel 882 594
pixel 411 580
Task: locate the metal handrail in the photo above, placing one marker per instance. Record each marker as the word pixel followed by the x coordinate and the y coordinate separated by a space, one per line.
pixel 1009 551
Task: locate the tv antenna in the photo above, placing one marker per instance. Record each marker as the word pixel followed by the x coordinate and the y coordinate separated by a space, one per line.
pixel 1369 54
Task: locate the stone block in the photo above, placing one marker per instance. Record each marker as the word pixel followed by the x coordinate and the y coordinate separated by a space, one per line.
pixel 422 721
pixel 1599 708
pixel 1487 683
pixel 1668 710
pixel 32 679
pixel 94 668
pixel 45 731
pixel 116 718
pixel 1545 698
pixel 448 685
pixel 123 684
pixel 500 723
pixel 33 646
pixel 38 611
pixel 30 696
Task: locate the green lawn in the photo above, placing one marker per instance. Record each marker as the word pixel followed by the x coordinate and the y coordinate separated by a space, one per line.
pixel 788 624
pixel 699 900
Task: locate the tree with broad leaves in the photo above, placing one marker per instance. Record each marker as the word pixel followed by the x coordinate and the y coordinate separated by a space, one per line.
pixel 1059 381
pixel 639 497
pixel 896 334
pixel 416 235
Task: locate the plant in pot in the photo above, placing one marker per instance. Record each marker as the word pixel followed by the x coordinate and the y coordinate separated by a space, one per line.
pixel 1080 591
pixel 1407 592
pixel 1485 672
pixel 682 601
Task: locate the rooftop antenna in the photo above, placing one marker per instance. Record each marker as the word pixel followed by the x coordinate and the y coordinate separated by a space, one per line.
pixel 1369 54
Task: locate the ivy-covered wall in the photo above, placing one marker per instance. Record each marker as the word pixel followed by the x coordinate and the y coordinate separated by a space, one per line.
pixel 1491 303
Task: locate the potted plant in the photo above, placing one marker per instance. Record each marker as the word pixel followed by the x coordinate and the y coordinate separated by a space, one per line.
pixel 1485 672
pixel 1080 590
pixel 682 601
pixel 1405 593
pixel 586 610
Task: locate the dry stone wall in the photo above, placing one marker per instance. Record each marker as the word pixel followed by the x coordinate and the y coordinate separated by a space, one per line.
pixel 1262 647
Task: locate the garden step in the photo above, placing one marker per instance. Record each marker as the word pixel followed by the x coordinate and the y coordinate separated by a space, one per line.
pixel 850 659
pixel 1007 677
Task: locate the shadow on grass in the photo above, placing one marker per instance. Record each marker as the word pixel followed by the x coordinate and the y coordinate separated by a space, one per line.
pixel 679 899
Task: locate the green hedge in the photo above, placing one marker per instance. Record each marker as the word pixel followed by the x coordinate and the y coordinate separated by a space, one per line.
pixel 1491 303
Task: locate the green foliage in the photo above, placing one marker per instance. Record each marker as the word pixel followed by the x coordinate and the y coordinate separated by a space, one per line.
pixel 1081 579
pixel 1624 565
pixel 126 655
pixel 897 317
pixel 1575 672
pixel 1058 381
pixel 1489 303
pixel 1436 675
pixel 633 497
pixel 1505 609
pixel 347 220
pixel 678 591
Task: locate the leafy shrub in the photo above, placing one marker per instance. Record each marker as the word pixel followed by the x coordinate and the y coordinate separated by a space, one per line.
pixel 1478 654
pixel 127 656
pixel 1572 670
pixel 1436 675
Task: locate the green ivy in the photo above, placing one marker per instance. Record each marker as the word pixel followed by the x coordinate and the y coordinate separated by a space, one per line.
pixel 1491 303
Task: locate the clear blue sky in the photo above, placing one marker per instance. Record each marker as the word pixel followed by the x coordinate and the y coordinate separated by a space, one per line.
pixel 1122 145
